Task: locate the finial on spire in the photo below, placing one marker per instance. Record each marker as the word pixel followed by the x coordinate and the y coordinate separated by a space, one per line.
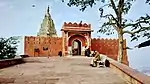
pixel 47 12
pixel 48 9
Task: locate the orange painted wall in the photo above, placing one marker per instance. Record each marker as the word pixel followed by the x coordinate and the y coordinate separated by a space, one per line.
pixel 109 47
pixel 54 45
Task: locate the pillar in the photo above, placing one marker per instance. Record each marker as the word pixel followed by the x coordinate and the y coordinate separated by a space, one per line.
pixel 66 43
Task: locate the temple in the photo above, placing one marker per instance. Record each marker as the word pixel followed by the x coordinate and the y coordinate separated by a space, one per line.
pixel 75 38
pixel 47 27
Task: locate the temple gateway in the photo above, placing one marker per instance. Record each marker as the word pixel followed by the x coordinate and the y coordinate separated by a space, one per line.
pixel 75 38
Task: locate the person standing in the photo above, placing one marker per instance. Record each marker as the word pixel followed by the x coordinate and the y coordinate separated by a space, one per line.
pixel 88 52
pixel 85 52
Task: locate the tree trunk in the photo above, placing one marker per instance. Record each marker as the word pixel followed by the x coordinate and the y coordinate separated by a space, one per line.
pixel 120 47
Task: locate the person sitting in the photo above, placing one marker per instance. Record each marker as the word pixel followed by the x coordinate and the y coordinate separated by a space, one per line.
pixel 104 62
pixel 101 59
pixel 95 59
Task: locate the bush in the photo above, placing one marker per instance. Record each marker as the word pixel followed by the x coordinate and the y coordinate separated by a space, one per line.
pixel 8 47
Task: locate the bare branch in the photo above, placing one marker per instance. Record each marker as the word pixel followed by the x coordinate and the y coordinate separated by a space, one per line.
pixel 120 10
pixel 113 18
pixel 135 24
pixel 105 5
pixel 113 24
pixel 137 31
pixel 120 6
pixel 114 6
pixel 128 32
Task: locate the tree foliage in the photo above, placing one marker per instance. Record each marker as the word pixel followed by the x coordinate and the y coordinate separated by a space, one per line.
pixel 8 47
pixel 115 19
pixel 148 1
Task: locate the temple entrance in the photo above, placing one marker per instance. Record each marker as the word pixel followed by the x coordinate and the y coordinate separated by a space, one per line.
pixel 76 47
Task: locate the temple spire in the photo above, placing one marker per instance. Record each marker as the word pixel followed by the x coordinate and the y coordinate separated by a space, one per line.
pixel 47 26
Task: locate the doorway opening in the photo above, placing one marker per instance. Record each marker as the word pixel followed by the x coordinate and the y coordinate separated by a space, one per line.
pixel 76 47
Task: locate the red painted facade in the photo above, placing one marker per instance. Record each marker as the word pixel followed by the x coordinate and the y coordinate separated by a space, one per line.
pixel 50 46
pixel 72 32
pixel 109 47
pixel 42 46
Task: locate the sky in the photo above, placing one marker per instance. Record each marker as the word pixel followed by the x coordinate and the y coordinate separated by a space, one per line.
pixel 19 18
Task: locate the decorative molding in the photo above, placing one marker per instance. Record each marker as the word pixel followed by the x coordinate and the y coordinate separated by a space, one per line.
pixel 107 39
pixel 70 24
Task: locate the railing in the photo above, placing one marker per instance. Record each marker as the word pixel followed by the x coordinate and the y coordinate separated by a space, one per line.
pixel 130 75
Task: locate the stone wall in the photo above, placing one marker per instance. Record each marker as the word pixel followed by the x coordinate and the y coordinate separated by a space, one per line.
pixel 132 76
pixel 109 47
pixel 9 62
pixel 42 46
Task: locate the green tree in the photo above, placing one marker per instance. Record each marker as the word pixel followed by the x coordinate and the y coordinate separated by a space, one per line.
pixel 8 47
pixel 115 19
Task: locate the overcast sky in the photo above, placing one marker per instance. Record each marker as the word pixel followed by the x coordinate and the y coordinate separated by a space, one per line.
pixel 19 18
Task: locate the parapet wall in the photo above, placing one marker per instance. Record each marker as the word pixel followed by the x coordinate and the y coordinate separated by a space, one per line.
pixel 10 62
pixel 108 47
pixel 70 24
pixel 42 46
pixel 130 75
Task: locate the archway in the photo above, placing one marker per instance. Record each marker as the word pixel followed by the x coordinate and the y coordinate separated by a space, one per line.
pixel 80 41
pixel 76 47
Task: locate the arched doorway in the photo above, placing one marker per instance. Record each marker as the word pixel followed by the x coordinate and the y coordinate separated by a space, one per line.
pixel 76 47
pixel 76 44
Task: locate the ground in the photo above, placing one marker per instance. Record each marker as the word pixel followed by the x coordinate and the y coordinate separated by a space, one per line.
pixel 58 70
